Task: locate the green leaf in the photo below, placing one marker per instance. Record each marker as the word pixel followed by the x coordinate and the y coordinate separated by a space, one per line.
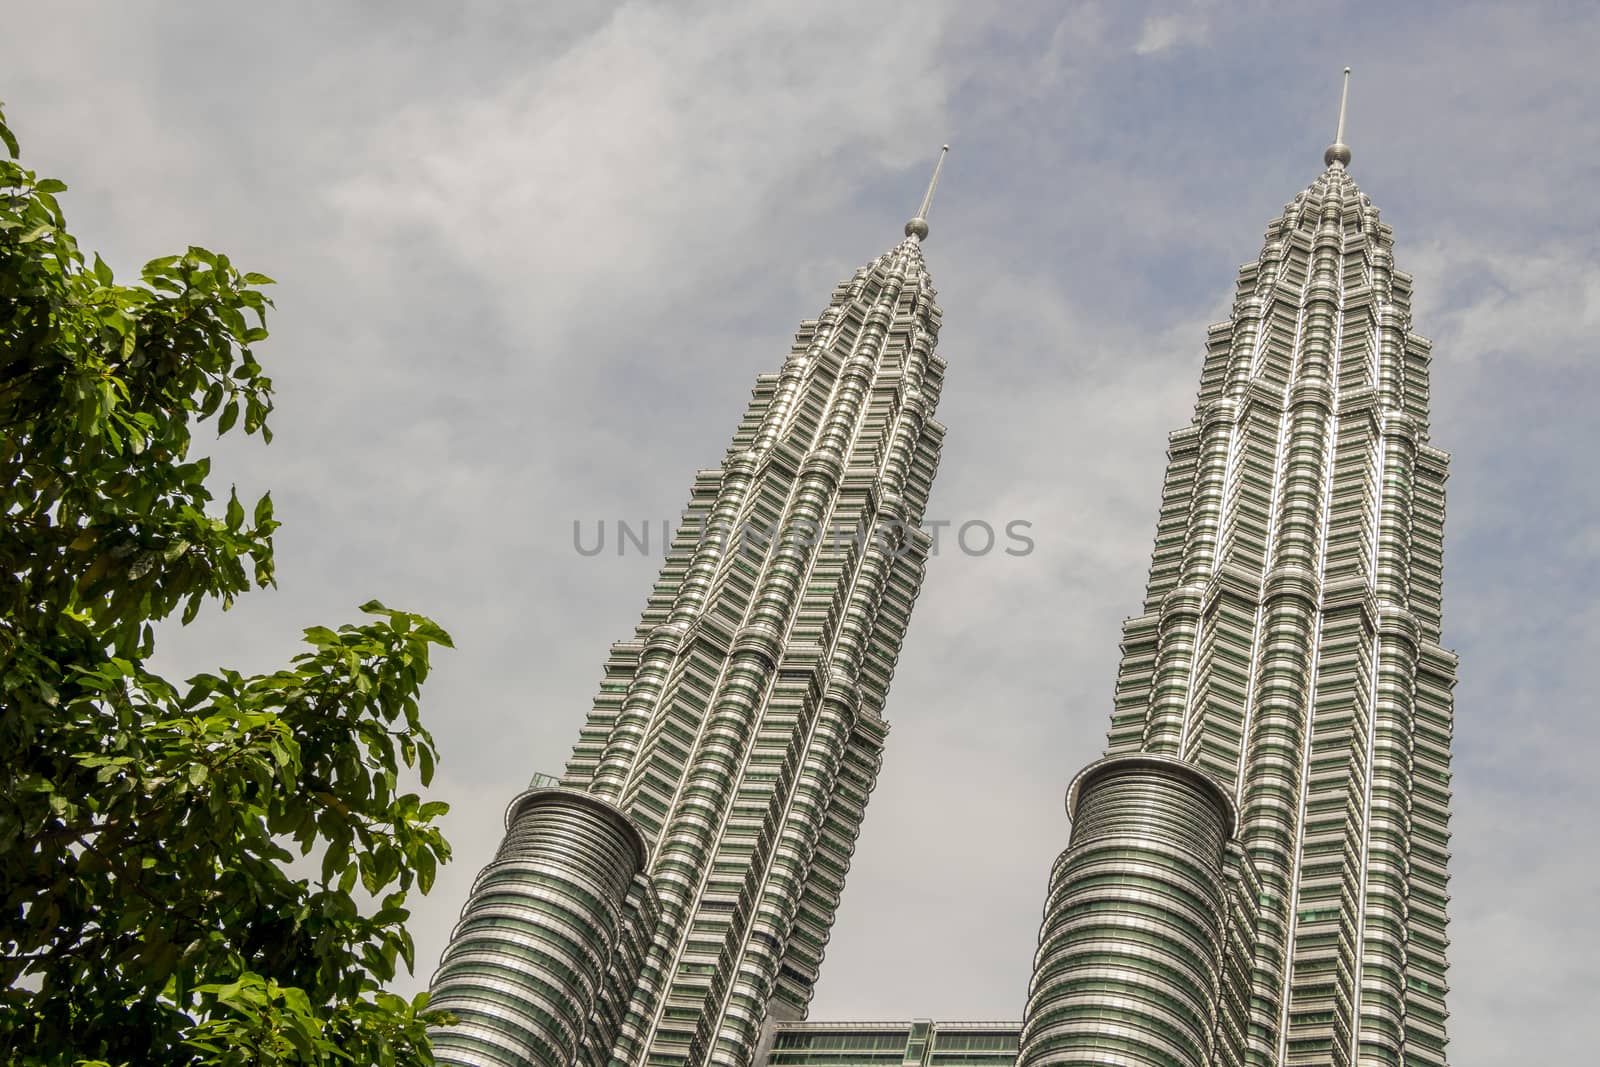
pixel 50 185
pixel 296 1000
pixel 427 867
pixel 211 399
pixel 435 633
pixel 334 860
pixel 321 636
pixel 408 951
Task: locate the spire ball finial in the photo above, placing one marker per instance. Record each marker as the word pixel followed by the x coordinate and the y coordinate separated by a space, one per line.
pixel 1338 153
pixel 918 226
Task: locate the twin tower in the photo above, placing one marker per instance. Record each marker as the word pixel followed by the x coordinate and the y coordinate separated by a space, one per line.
pixel 1256 872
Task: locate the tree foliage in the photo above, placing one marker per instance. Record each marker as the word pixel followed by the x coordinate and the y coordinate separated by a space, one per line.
pixel 149 913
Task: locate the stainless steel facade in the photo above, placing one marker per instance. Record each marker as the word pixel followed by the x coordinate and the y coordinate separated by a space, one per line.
pixel 675 892
pixel 531 953
pixel 1286 667
pixel 1133 937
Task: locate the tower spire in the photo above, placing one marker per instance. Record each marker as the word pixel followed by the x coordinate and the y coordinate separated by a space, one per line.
pixel 1338 153
pixel 918 226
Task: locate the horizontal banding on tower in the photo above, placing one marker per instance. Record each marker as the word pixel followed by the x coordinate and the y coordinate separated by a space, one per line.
pixel 527 959
pixel 1132 935
pixel 1156 765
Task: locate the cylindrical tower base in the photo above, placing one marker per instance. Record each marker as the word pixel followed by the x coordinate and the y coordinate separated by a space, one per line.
pixel 1131 943
pixel 527 960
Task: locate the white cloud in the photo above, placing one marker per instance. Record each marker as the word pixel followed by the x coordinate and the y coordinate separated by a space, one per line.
pixel 612 178
pixel 1488 301
pixel 1162 33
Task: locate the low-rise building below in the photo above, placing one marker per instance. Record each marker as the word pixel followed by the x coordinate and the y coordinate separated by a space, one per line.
pixel 905 1043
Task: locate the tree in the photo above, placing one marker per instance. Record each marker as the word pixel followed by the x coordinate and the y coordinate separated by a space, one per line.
pixel 147 912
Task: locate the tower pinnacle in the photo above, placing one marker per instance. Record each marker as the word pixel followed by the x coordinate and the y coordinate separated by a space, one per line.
pixel 1338 153
pixel 918 226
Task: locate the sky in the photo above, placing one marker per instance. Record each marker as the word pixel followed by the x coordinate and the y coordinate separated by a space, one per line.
pixel 531 258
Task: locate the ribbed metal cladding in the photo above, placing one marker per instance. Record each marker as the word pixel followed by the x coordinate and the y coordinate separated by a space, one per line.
pixel 1127 967
pixel 738 727
pixel 1287 646
pixel 527 960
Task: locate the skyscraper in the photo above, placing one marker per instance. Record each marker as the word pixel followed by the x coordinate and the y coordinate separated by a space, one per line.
pixel 673 893
pixel 1257 869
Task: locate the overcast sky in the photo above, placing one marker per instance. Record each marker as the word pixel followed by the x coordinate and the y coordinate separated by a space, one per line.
pixel 532 256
